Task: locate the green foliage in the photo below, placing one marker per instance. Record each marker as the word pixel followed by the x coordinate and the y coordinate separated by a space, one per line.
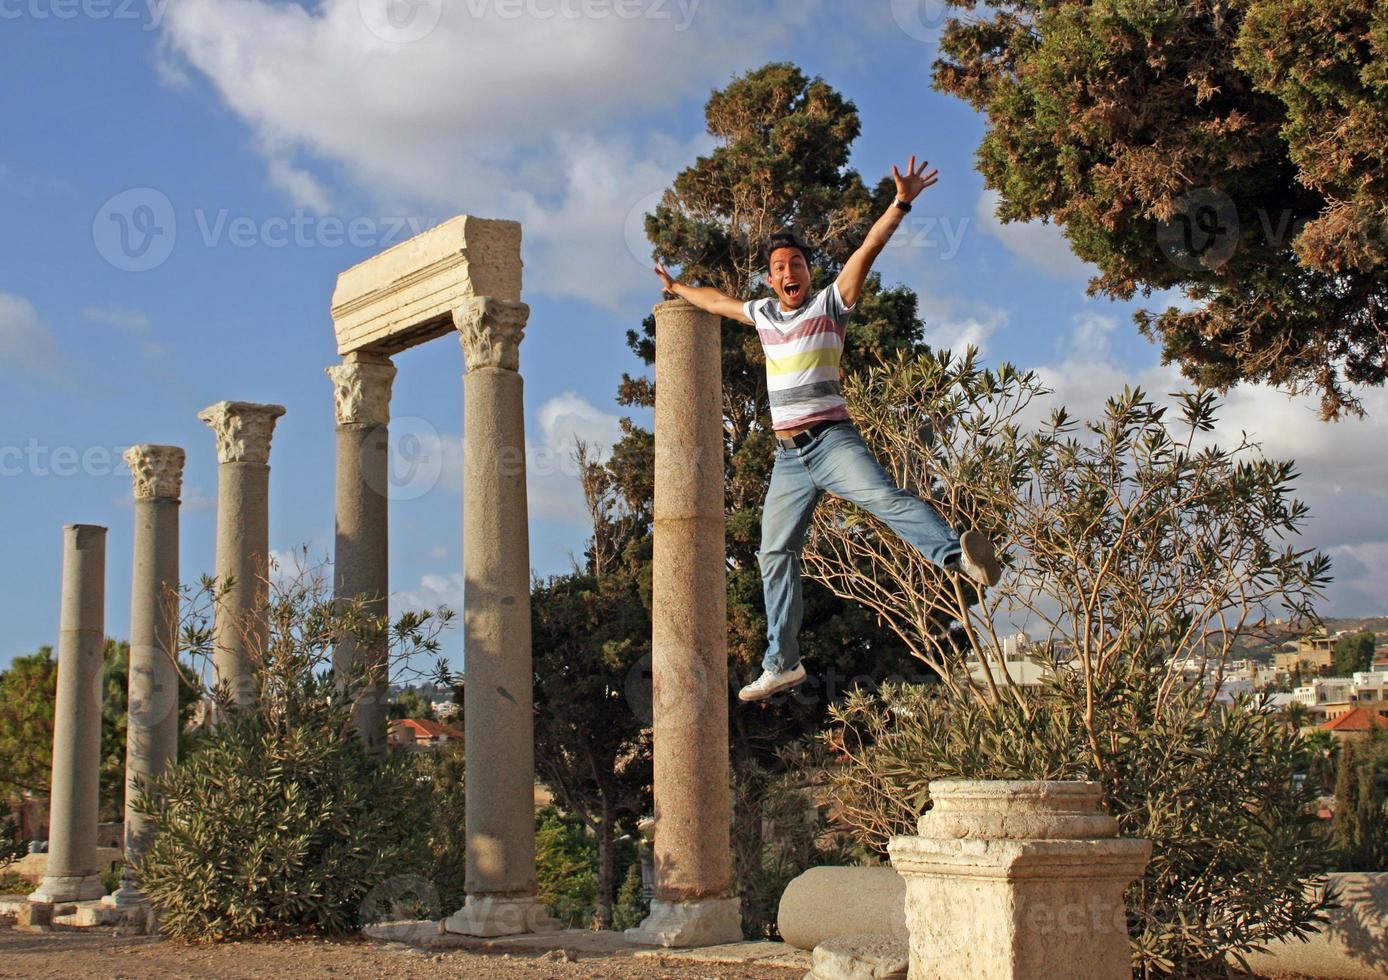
pixel 1234 841
pixel 27 693
pixel 443 770
pixel 409 703
pixel 565 862
pixel 1234 151
pixel 632 905
pixel 281 821
pixel 1359 831
pixel 1354 653
pixel 592 638
pixel 279 830
pixel 793 836
pixel 11 847
pixel 1134 547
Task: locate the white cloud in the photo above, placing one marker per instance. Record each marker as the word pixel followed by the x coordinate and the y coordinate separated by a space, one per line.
pixel 422 458
pixel 488 113
pixel 132 322
pixel 25 341
pixel 955 334
pixel 431 592
pixel 1034 242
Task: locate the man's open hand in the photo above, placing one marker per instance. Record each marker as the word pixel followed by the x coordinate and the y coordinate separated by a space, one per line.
pixel 666 279
pixel 911 183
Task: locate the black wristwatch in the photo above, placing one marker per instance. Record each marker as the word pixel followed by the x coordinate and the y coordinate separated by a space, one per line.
pixel 905 206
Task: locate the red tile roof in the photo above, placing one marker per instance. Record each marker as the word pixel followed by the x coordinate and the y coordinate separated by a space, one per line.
pixel 1355 720
pixel 423 727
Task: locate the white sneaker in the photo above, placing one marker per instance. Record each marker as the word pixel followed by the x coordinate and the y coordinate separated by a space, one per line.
pixel 977 559
pixel 772 682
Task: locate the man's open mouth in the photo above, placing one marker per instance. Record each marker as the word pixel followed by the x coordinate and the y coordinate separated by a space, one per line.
pixel 793 290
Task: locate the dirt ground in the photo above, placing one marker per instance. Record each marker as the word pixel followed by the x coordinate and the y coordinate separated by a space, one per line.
pixel 90 954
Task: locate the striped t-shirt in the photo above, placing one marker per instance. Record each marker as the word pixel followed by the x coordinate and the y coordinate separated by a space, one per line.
pixel 802 357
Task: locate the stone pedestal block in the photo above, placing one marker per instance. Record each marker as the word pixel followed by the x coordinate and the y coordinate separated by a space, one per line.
pixel 74 873
pixel 1016 880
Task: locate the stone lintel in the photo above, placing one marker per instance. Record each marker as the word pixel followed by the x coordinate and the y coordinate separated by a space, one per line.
pixel 243 430
pixel 406 295
pixel 156 471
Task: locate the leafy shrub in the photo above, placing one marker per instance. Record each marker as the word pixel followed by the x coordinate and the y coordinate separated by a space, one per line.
pixel 272 833
pixel 566 859
pixel 444 773
pixel 1234 841
pixel 1359 833
pixel 632 905
pixel 282 821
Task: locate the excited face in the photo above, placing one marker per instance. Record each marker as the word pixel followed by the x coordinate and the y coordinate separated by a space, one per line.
pixel 790 277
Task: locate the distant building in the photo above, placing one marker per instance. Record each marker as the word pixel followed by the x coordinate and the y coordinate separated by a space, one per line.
pixel 1016 663
pixel 420 733
pixel 1358 720
pixel 1313 653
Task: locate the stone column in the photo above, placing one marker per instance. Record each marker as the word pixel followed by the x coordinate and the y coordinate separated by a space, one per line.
pixel 151 734
pixel 498 704
pixel 73 873
pixel 361 392
pixel 694 903
pixel 243 432
pixel 1014 879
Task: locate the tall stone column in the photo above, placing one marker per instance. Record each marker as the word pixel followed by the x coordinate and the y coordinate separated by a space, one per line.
pixel 73 873
pixel 361 555
pixel 151 734
pixel 243 432
pixel 693 904
pixel 1013 879
pixel 498 704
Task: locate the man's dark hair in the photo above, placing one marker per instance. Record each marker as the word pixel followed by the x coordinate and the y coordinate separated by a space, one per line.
pixel 785 239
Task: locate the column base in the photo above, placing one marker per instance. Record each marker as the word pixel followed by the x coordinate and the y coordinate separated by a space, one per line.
pixel 125 897
pixel 488 917
pixel 67 888
pixel 702 922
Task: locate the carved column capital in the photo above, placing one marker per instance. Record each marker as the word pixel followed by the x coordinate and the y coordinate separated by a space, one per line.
pixel 361 389
pixel 243 430
pixel 155 471
pixel 490 331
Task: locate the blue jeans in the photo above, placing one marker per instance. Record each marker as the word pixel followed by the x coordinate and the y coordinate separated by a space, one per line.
pixel 836 461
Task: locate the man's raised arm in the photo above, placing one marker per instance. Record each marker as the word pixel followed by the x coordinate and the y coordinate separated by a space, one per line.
pixel 855 270
pixel 705 298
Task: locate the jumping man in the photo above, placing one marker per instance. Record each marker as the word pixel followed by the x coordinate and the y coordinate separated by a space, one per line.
pixel 819 449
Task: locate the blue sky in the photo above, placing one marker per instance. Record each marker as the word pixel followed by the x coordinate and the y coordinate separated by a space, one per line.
pixel 256 134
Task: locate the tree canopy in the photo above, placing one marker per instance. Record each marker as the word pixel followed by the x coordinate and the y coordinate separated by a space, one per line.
pixel 1233 151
